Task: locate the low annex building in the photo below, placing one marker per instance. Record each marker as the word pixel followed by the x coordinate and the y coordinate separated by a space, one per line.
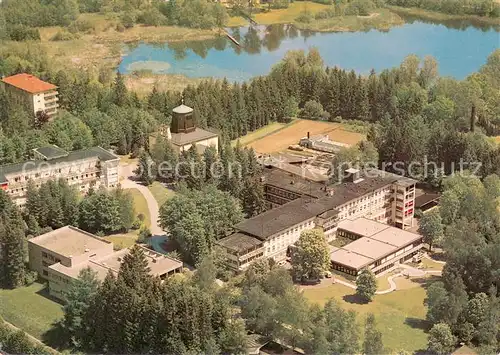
pixel 36 95
pixel 60 255
pixel 92 167
pixel 376 246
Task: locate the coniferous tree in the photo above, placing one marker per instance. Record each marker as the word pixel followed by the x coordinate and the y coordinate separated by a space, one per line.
pixel 78 298
pixel 12 248
pixel 252 198
pixel 372 344
pixel 134 269
pixel 120 93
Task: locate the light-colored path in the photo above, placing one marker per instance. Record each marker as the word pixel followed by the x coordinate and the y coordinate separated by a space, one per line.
pixel 409 270
pixel 126 172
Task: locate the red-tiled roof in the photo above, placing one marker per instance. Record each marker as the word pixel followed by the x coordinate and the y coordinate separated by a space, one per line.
pixel 29 83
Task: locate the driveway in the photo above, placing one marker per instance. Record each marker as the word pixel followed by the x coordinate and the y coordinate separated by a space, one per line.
pixel 127 182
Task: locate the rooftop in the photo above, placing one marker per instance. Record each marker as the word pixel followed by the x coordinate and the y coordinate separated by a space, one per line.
pixel 296 170
pixel 182 109
pixel 69 241
pixel 293 182
pixel 158 264
pixel 30 165
pixel 197 135
pixel 368 247
pixel 381 232
pixel 290 214
pixel 376 241
pixel 51 152
pixel 350 259
pixel 29 83
pixel 363 227
pixel 239 242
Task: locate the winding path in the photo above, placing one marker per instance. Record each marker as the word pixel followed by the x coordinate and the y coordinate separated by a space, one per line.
pixel 393 287
pixel 127 172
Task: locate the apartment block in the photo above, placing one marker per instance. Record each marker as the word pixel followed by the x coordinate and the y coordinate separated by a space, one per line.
pixel 86 168
pixel 36 95
pixel 60 255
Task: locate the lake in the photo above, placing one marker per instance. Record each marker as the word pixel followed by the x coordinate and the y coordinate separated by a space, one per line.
pixel 459 50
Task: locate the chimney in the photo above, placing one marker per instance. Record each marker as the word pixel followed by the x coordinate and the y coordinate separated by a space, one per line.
pixel 308 135
pixel 472 117
pixel 351 175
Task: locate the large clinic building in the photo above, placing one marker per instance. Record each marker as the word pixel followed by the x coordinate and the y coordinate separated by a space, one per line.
pixel 300 205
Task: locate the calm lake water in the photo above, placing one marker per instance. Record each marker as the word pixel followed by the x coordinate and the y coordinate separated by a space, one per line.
pixel 460 49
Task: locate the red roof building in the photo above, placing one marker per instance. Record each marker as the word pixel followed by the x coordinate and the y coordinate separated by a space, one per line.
pixel 29 83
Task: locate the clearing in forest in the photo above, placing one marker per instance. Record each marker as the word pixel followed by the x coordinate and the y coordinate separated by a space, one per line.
pixel 291 135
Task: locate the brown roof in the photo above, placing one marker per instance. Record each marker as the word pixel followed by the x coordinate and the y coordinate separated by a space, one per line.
pixel 69 241
pixel 281 218
pixel 192 137
pixel 29 83
pixel 239 242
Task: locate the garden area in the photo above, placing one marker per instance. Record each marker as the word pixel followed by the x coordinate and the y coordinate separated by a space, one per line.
pixel 400 314
pixel 30 309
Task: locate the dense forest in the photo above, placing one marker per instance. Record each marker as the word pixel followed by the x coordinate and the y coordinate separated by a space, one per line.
pixel 19 19
pixel 464 305
pixel 414 113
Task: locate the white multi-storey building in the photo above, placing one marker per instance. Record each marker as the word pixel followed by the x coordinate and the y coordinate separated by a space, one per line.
pixel 301 205
pixel 36 95
pixel 86 168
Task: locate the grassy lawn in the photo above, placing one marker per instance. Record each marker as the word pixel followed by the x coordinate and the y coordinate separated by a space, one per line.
pixel 122 241
pixel 27 308
pixel 440 16
pixel 290 14
pixel 141 206
pixel 261 132
pixel 400 314
pixel 382 19
pixel 160 193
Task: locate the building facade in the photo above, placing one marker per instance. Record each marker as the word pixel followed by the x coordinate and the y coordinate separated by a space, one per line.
pixel 183 133
pixel 375 246
pixel 93 167
pixel 301 205
pixel 60 255
pixel 36 95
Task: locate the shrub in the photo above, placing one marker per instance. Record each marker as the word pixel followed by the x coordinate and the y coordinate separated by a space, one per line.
pixel 120 27
pixel 305 17
pixel 360 7
pixel 63 36
pixel 23 33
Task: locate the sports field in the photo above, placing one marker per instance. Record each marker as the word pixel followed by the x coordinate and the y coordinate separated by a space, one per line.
pixel 283 138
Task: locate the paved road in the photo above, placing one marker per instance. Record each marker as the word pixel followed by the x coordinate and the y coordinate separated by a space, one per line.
pixel 126 172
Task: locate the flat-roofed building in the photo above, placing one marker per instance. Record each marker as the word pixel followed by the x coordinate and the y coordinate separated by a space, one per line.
pixel 36 95
pixel 86 168
pixel 376 246
pixel 60 255
pixel 68 246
